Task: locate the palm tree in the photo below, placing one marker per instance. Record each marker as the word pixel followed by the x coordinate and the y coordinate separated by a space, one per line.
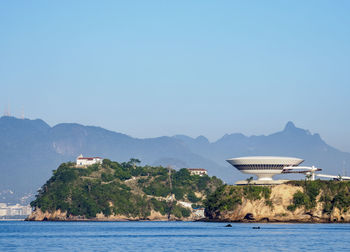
pixel 249 180
pixel 134 162
pixel 308 176
pixel 340 178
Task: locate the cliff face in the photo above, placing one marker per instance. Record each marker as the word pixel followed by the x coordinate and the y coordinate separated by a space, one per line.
pixel 278 207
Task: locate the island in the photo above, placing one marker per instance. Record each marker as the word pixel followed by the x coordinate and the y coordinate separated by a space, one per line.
pixel 112 191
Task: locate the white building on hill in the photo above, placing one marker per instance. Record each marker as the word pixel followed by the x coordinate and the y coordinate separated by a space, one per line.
pixel 86 161
pixel 197 171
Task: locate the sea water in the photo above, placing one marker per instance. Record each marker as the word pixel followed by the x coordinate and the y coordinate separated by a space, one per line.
pixel 171 236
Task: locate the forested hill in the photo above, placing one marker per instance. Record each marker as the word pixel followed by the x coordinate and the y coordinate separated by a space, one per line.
pixel 126 190
pixel 31 149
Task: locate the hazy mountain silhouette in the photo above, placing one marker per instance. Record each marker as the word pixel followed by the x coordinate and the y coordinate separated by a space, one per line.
pixel 31 149
pixel 291 141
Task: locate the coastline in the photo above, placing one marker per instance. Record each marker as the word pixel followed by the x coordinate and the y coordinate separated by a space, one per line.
pixel 202 220
pixel 232 204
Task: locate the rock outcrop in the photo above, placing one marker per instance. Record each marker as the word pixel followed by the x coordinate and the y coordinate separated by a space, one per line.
pixel 275 209
pixel 58 215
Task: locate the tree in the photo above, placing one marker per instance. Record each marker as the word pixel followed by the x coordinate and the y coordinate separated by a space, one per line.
pixel 249 180
pixel 134 162
pixel 308 176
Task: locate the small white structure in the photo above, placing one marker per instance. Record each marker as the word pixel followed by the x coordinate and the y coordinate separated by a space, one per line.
pixel 185 204
pixel 86 161
pixel 199 212
pixel 334 177
pixel 197 171
pixel 309 171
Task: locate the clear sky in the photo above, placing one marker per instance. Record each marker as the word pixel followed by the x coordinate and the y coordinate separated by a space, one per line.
pixel 152 68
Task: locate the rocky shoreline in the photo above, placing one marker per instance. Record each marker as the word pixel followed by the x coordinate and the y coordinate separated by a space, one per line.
pixel 276 211
pixel 277 206
pixel 38 215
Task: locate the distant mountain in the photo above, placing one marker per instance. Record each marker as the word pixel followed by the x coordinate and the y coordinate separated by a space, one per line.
pixel 291 141
pixel 31 149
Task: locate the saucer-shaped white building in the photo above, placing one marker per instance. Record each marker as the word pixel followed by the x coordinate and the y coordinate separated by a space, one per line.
pixel 265 167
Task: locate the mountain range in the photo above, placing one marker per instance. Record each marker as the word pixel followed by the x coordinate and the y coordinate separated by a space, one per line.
pixel 31 149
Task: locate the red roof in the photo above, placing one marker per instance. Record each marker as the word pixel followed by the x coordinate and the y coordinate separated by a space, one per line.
pixel 89 158
pixel 196 169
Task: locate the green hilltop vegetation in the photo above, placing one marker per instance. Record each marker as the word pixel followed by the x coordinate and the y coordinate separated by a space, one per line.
pixel 331 195
pixel 228 197
pixel 126 189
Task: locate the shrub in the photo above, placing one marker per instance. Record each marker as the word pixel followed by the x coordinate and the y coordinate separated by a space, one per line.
pixel 106 177
pixel 192 197
pixel 185 212
pixel 179 193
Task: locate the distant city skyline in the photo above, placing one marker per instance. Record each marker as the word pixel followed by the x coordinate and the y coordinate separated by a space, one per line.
pixel 157 68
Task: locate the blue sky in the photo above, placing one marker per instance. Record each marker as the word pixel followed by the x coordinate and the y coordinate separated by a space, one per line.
pixel 152 68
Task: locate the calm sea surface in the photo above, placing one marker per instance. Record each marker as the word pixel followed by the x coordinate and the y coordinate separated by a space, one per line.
pixel 171 236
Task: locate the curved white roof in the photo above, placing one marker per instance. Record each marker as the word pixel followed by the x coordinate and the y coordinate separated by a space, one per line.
pixel 268 160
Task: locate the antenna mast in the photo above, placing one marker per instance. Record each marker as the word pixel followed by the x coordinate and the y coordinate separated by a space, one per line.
pixel 22 115
pixel 7 112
